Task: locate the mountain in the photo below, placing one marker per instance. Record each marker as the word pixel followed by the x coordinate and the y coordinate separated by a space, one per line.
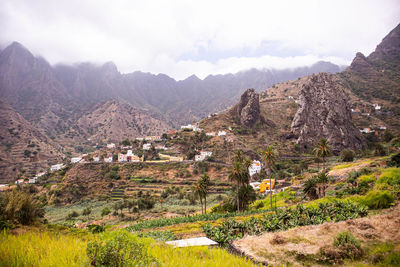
pixel 25 148
pixel 333 106
pixel 376 78
pixel 115 121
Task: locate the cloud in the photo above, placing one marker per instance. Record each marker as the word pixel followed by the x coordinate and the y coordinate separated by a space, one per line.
pixel 180 37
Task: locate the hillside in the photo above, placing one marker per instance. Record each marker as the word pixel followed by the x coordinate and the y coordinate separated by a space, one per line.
pixel 116 121
pixel 25 148
pixel 376 78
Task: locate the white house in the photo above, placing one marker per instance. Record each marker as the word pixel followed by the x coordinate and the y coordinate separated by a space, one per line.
pixel 96 159
pixel 161 147
pixel 111 146
pixel 108 159
pixel 40 174
pixel 382 128
pixel 255 167
pixel 203 155
pixel 255 185
pixel 146 146
pixel 221 133
pixel 366 130
pixel 377 107
pixel 122 157
pixel 20 181
pixel 126 147
pixel 56 167
pixel 189 126
pixel 139 138
pixel 32 180
pixel 76 159
pixel 210 134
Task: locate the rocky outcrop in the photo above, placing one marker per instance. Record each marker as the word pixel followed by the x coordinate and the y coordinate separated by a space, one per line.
pixel 247 111
pixel 325 113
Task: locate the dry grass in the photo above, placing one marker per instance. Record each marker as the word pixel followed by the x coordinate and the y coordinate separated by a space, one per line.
pixel 305 242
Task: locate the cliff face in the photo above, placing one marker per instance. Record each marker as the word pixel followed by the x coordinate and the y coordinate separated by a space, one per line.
pixel 325 113
pixel 248 109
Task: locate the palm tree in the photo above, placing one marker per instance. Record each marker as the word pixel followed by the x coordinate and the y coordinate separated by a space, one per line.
pixel 204 185
pixel 323 150
pixel 270 157
pixel 238 157
pixel 197 192
pixel 235 175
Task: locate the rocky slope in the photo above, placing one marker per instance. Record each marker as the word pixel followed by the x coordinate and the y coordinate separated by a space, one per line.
pixel 247 111
pixel 115 121
pixel 325 113
pixel 25 148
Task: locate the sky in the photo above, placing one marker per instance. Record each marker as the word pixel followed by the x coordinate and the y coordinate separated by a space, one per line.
pixel 180 38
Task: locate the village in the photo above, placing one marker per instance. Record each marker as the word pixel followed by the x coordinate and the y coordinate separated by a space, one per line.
pixel 134 152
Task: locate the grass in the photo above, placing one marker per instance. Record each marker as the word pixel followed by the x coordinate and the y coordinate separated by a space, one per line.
pixel 45 248
pixel 197 256
pixel 42 249
pixel 282 199
pixel 57 214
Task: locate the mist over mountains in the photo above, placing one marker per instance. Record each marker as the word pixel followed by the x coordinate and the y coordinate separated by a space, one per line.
pixel 43 93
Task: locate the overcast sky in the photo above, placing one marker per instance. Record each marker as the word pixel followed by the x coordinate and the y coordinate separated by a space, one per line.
pixel 180 38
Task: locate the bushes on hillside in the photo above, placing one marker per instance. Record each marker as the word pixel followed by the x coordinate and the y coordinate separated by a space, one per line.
pixel 390 176
pixel 394 160
pixel 347 155
pixel 345 245
pixel 120 249
pixel 18 207
pixel 377 199
pixel 284 219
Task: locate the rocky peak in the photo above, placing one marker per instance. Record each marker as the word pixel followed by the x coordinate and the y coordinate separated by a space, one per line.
pixel 389 47
pixel 360 63
pixel 325 113
pixel 248 109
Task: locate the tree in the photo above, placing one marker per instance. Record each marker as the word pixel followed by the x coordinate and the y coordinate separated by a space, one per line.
pixel 201 190
pixel 87 211
pixel 235 175
pixel 17 206
pixel 205 186
pixel 270 156
pixel 347 155
pixel 126 142
pixel 322 149
pixel 315 187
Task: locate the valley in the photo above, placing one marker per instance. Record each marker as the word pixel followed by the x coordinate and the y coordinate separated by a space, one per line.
pixel 297 167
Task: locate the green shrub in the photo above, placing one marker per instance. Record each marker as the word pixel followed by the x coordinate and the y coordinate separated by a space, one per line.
pixel 115 168
pixel 72 215
pixel 390 176
pixel 17 206
pixel 345 238
pixel 365 182
pixel 347 155
pixel 95 228
pixel 120 248
pixel 345 245
pixel 105 211
pixel 394 160
pixel 378 199
pixel 114 175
